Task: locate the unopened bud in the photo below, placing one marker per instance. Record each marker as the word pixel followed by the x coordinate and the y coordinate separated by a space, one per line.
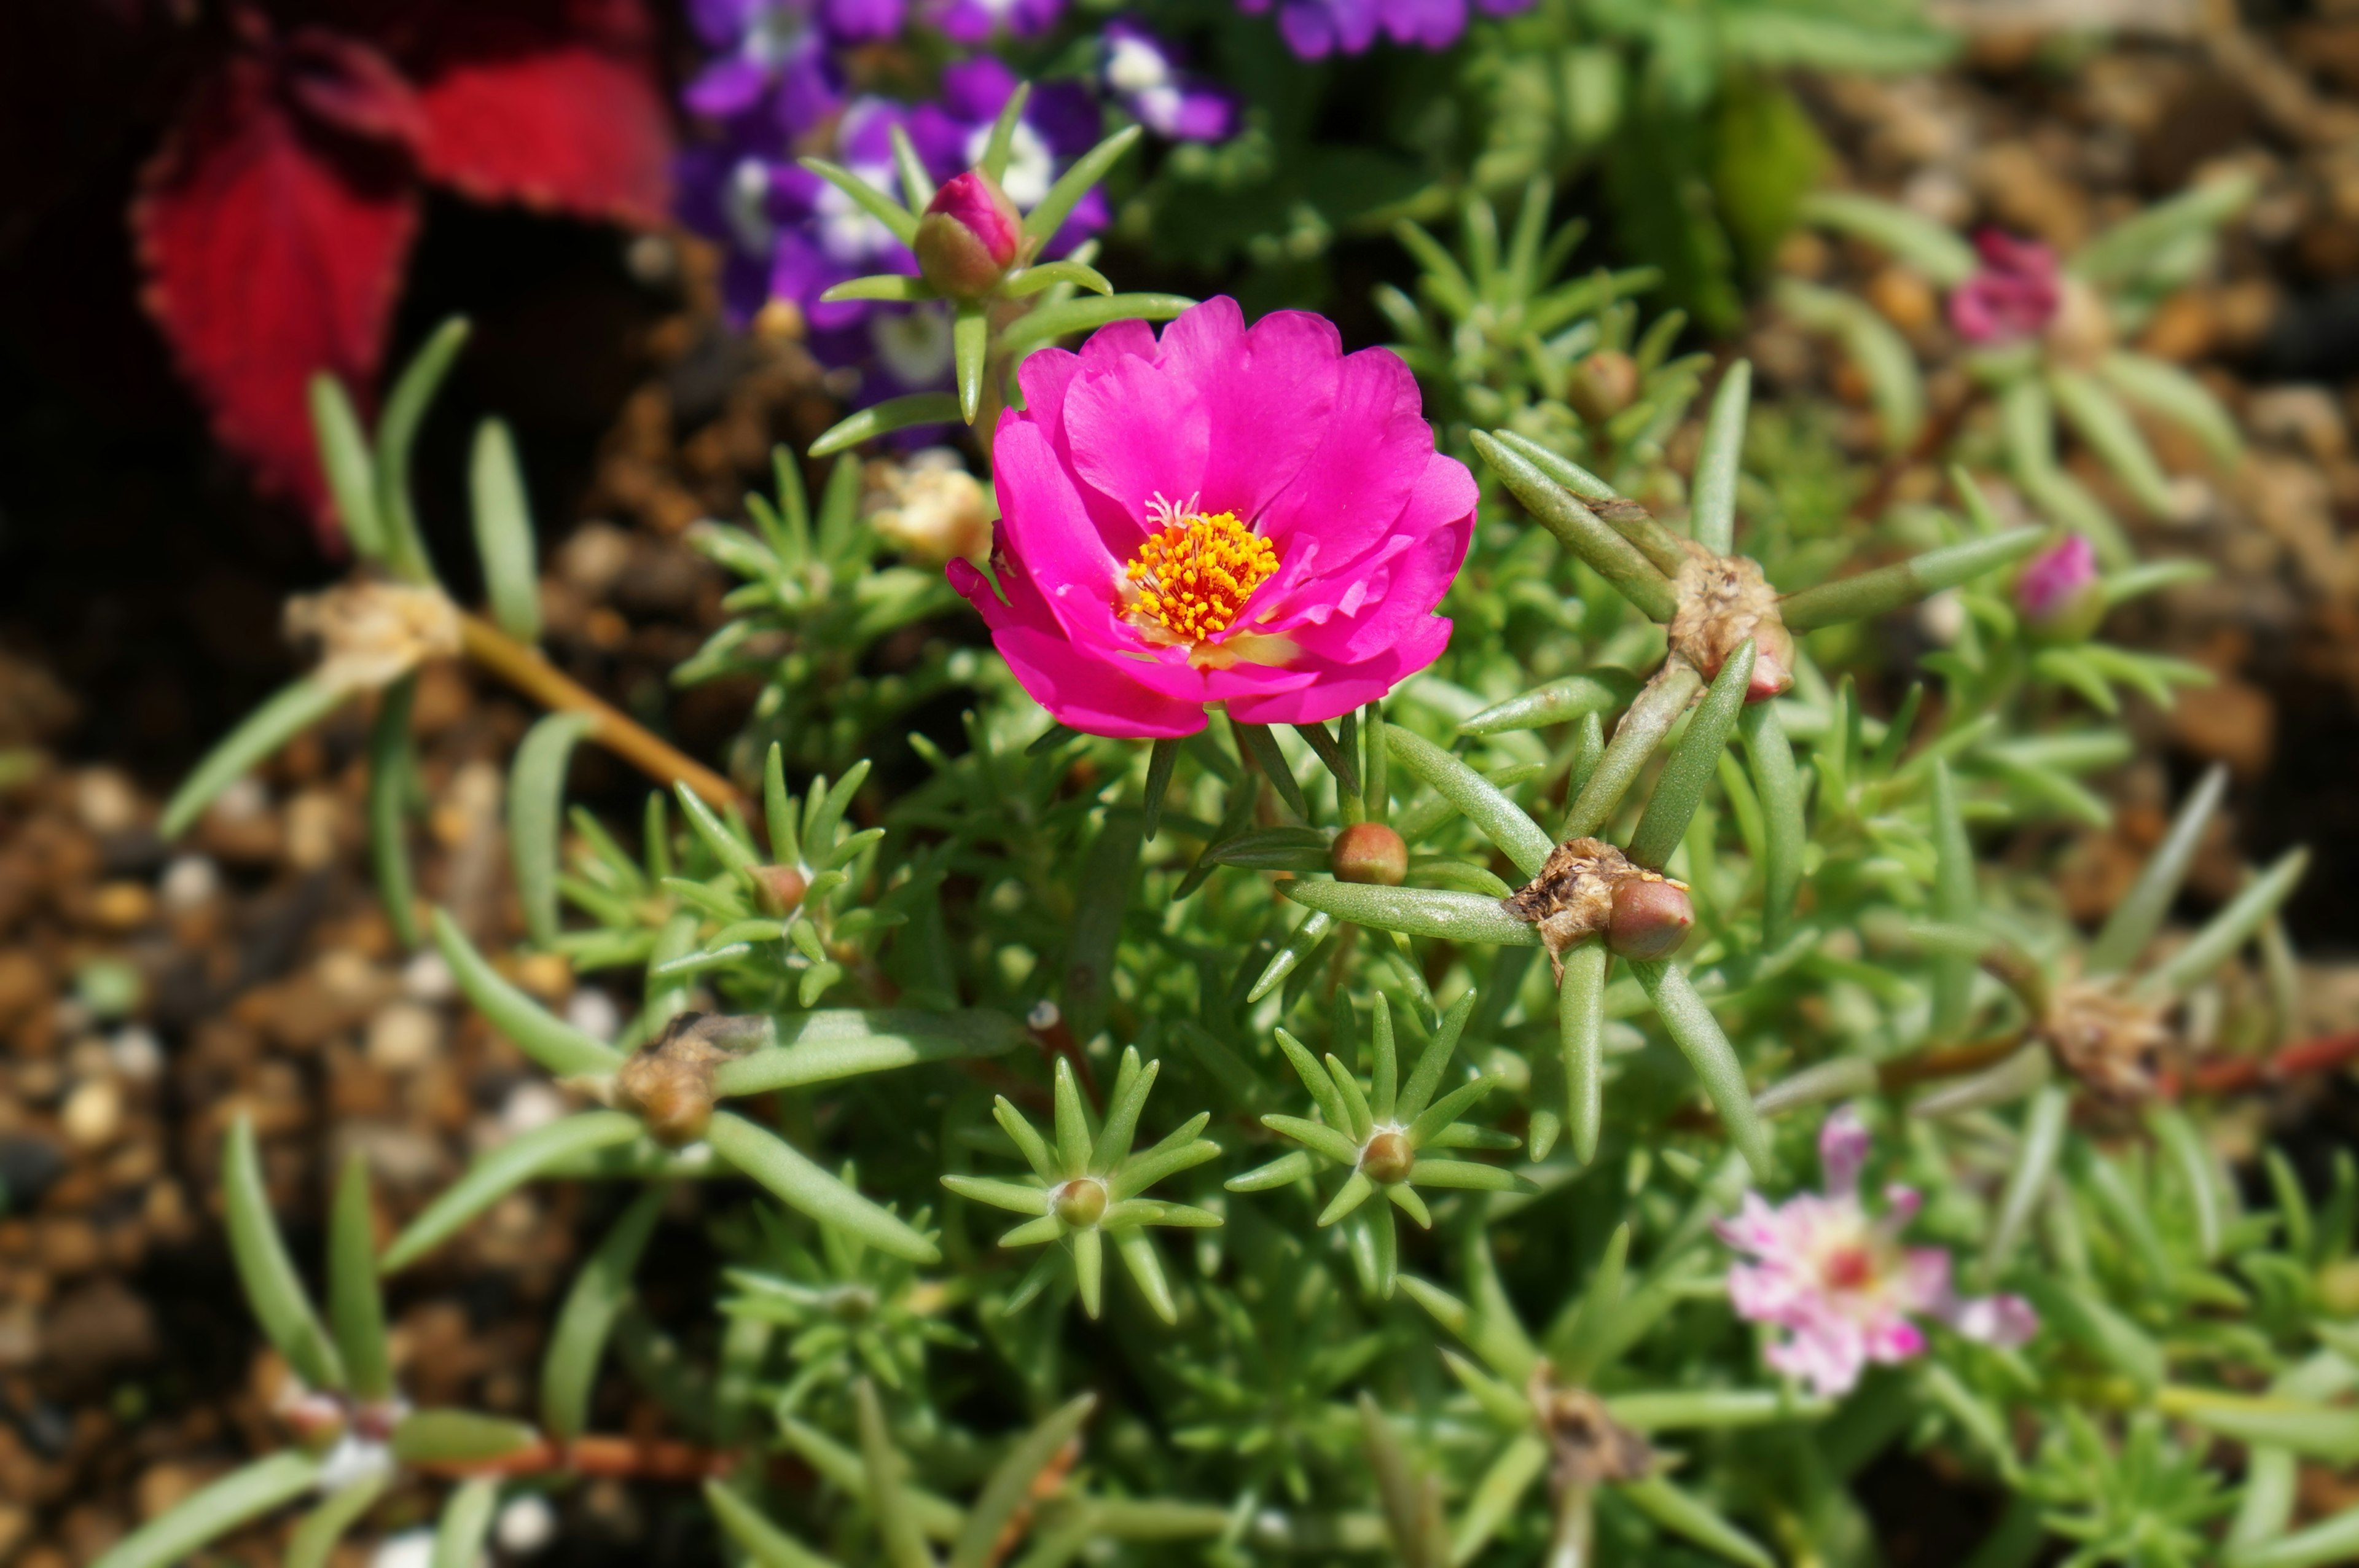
pixel 2058 594
pixel 1773 661
pixel 781 888
pixel 1387 1158
pixel 1651 917
pixel 970 235
pixel 1369 852
pixel 1081 1202
pixel 314 1420
pixel 1603 385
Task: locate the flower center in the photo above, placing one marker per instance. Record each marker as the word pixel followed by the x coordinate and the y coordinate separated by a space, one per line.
pixel 1194 574
pixel 1849 1267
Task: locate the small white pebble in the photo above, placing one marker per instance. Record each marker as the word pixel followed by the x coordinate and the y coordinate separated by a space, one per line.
pixel 593 1012
pixel 410 1549
pixel 106 800
pixel 190 882
pixel 1044 1015
pixel 525 1525
pixel 404 1036
pixel 135 1055
pixel 531 1105
pixel 244 801
pixel 1942 618
pixel 93 1114
pixel 427 978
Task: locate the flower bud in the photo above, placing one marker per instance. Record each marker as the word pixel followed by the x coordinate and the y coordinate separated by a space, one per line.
pixel 1773 661
pixel 780 887
pixel 1081 1202
pixel 969 237
pixel 2058 592
pixel 1603 385
pixel 1388 1157
pixel 1369 852
pixel 1651 916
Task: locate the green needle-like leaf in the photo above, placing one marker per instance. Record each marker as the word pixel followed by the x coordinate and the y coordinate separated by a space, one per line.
pixel 1072 185
pixel 1567 700
pixel 293 709
pixel 1714 505
pixel 1698 1035
pixel 1354 1192
pixel 313 1540
pixel 503 540
pixel 350 466
pixel 763 1543
pixel 578 1343
pixel 1048 274
pixel 971 349
pixel 892 287
pixel 457 1438
pixel 1642 729
pixel 1581 1029
pixel 277 1296
pixel 1122 1111
pixel 557 1045
pixel 237 1498
pixel 1580 530
pixel 2027 1182
pixel 1317 1136
pixel 396 431
pixel 1784 834
pixel 1088 1268
pixel 1446 1109
pixel 1953 902
pixel 392 772
pixel 794 1180
pixel 917 185
pixel 1009 1488
pixel 1904 582
pixel 537 815
pixel 883 419
pixel 1416 911
pixel 1682 1514
pixel 899 220
pixel 355 1304
pixel 466 1522
pixel 1161 759
pixel 2231 928
pixel 1689 771
pixel 1417 1093
pixel 1044 324
pixel 1500 819
pixel 501 1171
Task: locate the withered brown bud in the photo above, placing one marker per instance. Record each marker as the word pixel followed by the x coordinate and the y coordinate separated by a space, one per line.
pixel 2111 1041
pixel 1603 385
pixel 1722 601
pixel 781 888
pixel 1577 895
pixel 1587 1445
pixel 669 1084
pixel 1369 852
pixel 1651 917
pixel 1081 1202
pixel 1387 1158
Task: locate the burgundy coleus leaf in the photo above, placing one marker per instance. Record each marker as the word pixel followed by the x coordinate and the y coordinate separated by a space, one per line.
pixel 274 221
pixel 553 104
pixel 272 225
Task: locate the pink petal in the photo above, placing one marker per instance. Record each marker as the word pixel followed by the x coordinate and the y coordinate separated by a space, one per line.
pixel 2003 1321
pixel 1135 431
pixel 1269 393
pixel 1372 453
pixel 1052 540
pixel 1843 1149
pixel 1093 695
pixel 1354 610
pixel 1333 690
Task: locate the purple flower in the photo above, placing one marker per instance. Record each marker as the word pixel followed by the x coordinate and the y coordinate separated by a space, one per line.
pixel 770 70
pixel 1840 1284
pixel 2015 296
pixel 1144 75
pixel 1314 29
pixel 975 21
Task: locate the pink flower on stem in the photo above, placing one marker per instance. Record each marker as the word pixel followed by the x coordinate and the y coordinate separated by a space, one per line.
pixel 2015 296
pixel 971 235
pixel 1250 517
pixel 2057 591
pixel 1839 1284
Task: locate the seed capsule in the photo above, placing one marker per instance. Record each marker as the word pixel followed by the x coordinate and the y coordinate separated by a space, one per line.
pixel 1081 1202
pixel 1603 385
pixel 1369 852
pixel 1650 918
pixel 781 888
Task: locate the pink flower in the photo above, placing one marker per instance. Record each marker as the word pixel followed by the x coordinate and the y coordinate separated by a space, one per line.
pixel 2014 295
pixel 1841 1284
pixel 1243 516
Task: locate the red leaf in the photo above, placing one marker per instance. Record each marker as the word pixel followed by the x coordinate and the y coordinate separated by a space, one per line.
pixel 350 86
pixel 272 248
pixel 550 102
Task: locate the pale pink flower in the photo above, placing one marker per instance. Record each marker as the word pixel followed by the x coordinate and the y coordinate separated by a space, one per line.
pixel 2014 295
pixel 1839 1284
pixel 1243 516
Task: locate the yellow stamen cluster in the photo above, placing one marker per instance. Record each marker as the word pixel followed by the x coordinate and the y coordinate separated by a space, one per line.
pixel 1194 574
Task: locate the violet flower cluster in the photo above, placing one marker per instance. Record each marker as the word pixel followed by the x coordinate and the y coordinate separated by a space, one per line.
pixel 1839 1284
pixel 1314 29
pixel 778 86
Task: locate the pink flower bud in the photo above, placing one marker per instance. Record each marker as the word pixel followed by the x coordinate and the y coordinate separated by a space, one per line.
pixel 1650 918
pixel 970 235
pixel 2058 594
pixel 1369 852
pixel 2015 296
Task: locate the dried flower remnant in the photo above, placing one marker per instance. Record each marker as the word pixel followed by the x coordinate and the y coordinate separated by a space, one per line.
pixel 1724 601
pixel 2014 295
pixel 1587 1445
pixel 370 634
pixel 930 508
pixel 1839 1282
pixel 1587 887
pixel 669 1084
pixel 1227 514
pixel 2109 1039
